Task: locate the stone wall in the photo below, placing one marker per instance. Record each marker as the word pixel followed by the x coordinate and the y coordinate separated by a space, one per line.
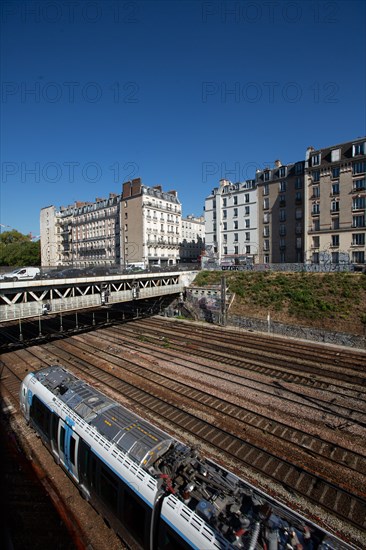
pixel 300 332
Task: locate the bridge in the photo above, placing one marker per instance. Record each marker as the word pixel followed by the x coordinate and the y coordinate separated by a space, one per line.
pixel 26 299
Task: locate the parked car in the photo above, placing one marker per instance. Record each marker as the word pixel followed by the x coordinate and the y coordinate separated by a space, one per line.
pixel 23 274
pixel 68 273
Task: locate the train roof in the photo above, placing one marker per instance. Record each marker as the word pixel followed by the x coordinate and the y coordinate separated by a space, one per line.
pixel 131 434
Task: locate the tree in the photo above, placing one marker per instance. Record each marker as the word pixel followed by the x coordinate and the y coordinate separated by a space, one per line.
pixel 17 249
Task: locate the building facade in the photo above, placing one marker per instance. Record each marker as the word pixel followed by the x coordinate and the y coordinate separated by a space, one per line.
pixel 192 242
pixel 309 211
pixel 231 222
pixel 142 224
pixel 281 213
pixel 335 183
pixel 150 225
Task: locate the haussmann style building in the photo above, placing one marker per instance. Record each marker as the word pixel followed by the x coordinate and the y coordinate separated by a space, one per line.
pixel 140 225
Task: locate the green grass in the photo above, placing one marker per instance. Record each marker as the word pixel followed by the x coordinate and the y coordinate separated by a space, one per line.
pixel 306 296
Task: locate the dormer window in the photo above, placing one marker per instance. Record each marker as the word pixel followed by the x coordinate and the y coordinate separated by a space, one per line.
pixel 315 160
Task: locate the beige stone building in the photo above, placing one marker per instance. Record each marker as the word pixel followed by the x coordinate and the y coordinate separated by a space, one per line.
pixel 335 185
pixel 150 225
pixel 140 225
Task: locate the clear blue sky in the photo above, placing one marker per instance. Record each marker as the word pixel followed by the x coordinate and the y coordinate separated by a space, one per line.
pixel 179 93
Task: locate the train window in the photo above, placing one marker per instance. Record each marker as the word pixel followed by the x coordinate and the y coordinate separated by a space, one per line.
pixel 109 483
pixel 62 440
pixel 134 517
pixel 54 430
pixel 169 539
pixel 41 416
pixel 84 450
pixel 93 471
pixel 72 450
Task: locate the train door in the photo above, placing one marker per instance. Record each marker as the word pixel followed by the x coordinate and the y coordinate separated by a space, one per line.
pixel 68 444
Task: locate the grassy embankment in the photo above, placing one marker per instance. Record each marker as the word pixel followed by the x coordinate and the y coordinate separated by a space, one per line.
pixel 332 301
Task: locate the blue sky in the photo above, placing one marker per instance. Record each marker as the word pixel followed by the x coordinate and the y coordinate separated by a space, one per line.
pixel 179 93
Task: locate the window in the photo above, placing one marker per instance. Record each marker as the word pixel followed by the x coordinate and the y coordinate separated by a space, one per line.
pixel 282 215
pixel 316 176
pixel 316 191
pixel 335 257
pixel 298 242
pixel 247 211
pixel 298 228
pixel 224 214
pixel 358 149
pixel 225 238
pixel 247 236
pixel 335 188
pixel 315 257
pixel 225 226
pixel 315 208
pixel 266 259
pixel 282 230
pixel 266 203
pixel 358 221
pixel 266 217
pixel 315 160
pixel 235 199
pixel 335 172
pixel 335 222
pixel 358 257
pixel 266 189
pixel 335 240
pixel 247 224
pixel 358 239
pixel 266 244
pixel 335 155
pixel 298 183
pixel 224 201
pixel 334 206
pixel 282 172
pixel 169 539
pixel 236 250
pixel 298 196
pixel 236 237
pixel 359 167
pixel 266 231
pixel 235 224
pixel 266 175
pixel 282 187
pixel 40 415
pixel 358 203
pixel 246 197
pixel 315 242
pixel 359 185
pixel 109 488
pixel 134 516
pixel 235 212
pixel 225 250
pixel 299 168
pixel 247 249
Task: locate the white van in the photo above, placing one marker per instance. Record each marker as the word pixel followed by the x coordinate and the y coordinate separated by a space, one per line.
pixel 23 274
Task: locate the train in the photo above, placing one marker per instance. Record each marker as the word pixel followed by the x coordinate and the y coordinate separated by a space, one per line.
pixel 154 491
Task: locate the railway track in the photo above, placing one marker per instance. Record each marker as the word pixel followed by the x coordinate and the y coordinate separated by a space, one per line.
pixel 304 464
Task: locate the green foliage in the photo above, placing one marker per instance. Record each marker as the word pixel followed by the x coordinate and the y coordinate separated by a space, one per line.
pixel 312 296
pixel 17 249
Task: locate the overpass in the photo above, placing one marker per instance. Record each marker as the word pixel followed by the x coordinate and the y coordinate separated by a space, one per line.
pixel 26 299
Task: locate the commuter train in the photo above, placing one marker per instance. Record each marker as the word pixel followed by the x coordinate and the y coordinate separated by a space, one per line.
pixel 153 490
